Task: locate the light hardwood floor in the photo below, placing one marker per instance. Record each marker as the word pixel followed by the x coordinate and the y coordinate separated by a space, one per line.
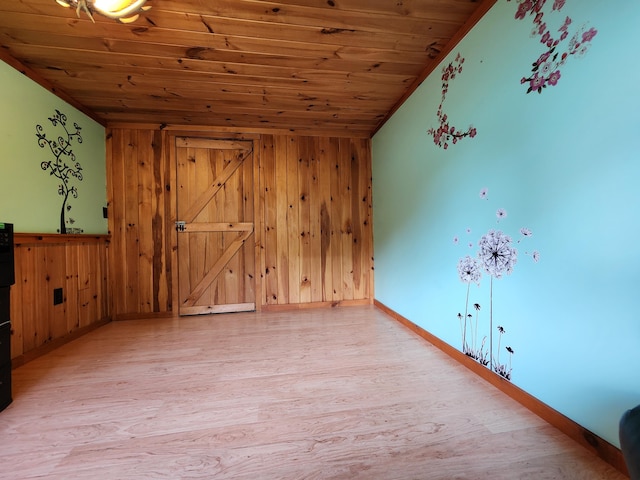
pixel 342 393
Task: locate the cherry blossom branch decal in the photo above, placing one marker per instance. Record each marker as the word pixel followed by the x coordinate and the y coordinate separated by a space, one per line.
pixel 446 133
pixel 546 69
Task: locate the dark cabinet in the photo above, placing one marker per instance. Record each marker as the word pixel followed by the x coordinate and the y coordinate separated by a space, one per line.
pixel 7 278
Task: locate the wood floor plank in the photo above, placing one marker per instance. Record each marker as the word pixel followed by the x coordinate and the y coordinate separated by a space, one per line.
pixel 343 393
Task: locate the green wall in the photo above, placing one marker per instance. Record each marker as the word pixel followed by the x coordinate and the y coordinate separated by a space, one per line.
pixel 28 194
pixel 556 172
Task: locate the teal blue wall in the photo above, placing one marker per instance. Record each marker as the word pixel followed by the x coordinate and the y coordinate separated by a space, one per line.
pixel 29 195
pixel 564 164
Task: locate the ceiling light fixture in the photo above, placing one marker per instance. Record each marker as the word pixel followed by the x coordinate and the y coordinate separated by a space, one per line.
pixel 126 11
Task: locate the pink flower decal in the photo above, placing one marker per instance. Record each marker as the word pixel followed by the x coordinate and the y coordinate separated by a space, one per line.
pixel 554 77
pixel 546 70
pixel 589 34
pixel 446 133
pixel 536 83
pixel 558 4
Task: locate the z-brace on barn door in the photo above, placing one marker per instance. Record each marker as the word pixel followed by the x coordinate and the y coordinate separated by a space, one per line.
pixel 216 257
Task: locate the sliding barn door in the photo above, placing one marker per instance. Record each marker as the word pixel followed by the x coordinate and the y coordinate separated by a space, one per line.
pixel 216 256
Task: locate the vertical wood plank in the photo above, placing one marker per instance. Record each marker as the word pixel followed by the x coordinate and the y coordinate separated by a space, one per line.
pixel 357 262
pixel 233 207
pixel 159 225
pixel 366 206
pixel 28 270
pixel 304 218
pixel 337 281
pixel 111 179
pixel 171 208
pixel 117 218
pixel 293 219
pixel 145 220
pixel 72 261
pixel 222 204
pixel 103 287
pixel 182 276
pixel 85 280
pixel 315 209
pixel 282 208
pixel 17 300
pixel 131 254
pixel 270 228
pixel 55 275
pixel 41 332
pixel 202 174
pixel 251 251
pixel 346 224
pixel 325 168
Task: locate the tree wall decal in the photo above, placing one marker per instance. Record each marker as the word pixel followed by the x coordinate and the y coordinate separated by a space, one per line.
pixel 64 165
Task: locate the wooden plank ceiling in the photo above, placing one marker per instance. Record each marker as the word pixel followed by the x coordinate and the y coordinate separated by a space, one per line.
pixel 336 67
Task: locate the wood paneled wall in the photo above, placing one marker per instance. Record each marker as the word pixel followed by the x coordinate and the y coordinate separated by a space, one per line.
pixel 75 263
pixel 314 231
pixel 317 234
pixel 140 216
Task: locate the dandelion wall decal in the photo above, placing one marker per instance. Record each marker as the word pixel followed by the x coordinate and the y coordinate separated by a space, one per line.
pixel 546 69
pixel 469 271
pixel 500 368
pixel 496 253
pixel 496 257
pixel 446 133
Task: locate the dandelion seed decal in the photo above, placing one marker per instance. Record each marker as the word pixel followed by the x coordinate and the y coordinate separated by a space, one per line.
pixel 484 194
pixel 525 232
pixel 501 213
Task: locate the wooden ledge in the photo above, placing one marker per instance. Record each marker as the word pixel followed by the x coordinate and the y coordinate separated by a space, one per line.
pixel 51 238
